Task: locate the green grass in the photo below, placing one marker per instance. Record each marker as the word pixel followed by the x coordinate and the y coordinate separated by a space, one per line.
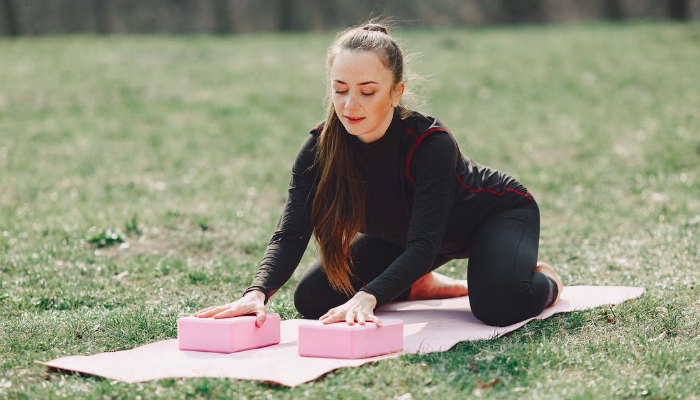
pixel 182 146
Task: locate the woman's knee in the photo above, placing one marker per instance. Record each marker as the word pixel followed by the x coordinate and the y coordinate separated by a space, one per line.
pixel 488 314
pixel 497 310
pixel 506 311
pixel 314 295
pixel 308 305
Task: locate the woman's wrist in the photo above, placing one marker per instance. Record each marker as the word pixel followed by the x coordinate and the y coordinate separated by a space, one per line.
pixel 366 297
pixel 255 295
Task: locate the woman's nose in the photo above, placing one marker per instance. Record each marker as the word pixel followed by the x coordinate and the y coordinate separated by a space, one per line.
pixel 351 102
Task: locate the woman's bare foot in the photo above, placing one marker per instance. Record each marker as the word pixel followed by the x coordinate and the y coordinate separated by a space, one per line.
pixel 547 270
pixel 437 286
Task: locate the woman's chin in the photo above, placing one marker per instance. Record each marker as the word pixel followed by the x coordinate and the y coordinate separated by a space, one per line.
pixel 354 131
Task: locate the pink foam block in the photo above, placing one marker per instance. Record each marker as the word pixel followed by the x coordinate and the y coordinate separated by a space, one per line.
pixel 340 340
pixel 227 335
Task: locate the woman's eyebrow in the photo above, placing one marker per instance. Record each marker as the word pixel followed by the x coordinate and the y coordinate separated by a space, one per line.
pixel 360 84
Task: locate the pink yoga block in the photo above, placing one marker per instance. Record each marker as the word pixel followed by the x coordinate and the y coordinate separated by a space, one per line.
pixel 227 335
pixel 340 340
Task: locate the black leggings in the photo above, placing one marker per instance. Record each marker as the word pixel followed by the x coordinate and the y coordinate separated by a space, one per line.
pixel 503 287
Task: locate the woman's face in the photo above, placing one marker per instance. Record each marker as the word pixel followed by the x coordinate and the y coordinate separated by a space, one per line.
pixel 364 94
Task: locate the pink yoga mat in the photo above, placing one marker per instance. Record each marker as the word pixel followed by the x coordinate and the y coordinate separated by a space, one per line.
pixel 429 326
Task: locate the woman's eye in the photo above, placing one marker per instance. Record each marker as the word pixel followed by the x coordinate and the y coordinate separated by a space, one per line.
pixel 340 91
pixel 369 94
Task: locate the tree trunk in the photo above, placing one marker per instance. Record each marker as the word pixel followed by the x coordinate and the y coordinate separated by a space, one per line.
pixel 102 16
pixel 519 11
pixel 678 9
pixel 12 23
pixel 286 15
pixel 222 17
pixel 612 10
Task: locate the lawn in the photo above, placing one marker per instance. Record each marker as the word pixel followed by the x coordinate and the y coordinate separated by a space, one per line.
pixel 142 176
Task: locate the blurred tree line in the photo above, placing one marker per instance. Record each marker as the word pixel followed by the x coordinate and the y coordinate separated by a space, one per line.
pixel 40 17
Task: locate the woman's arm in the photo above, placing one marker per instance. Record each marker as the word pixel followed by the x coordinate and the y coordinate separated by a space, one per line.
pixel 294 229
pixel 434 173
pixel 433 168
pixel 287 246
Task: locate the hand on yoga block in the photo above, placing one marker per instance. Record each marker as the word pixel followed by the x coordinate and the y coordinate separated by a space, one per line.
pixel 227 335
pixel 340 340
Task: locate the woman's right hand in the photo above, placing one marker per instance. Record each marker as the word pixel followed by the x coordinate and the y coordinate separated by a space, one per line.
pixel 252 302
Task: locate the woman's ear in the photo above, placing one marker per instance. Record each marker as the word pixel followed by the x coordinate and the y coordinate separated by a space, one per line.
pixel 397 93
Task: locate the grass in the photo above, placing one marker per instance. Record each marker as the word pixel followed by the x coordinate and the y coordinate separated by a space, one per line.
pixel 181 148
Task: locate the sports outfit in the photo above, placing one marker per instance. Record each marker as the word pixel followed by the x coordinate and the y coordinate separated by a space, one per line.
pixel 427 204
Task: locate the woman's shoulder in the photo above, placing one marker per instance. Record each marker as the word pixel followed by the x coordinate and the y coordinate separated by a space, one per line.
pixel 316 131
pixel 313 137
pixel 420 124
pixel 423 128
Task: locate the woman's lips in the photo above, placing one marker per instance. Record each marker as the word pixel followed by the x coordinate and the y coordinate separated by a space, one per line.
pixel 353 121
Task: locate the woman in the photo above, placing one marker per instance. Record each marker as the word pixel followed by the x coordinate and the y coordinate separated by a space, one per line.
pixel 390 198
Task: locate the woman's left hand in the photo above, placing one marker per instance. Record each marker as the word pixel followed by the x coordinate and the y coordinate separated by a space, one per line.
pixel 359 308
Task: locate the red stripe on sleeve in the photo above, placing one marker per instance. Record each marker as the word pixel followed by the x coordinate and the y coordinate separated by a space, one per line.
pixel 459 179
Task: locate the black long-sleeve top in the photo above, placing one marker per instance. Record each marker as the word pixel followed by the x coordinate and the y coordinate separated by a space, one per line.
pixel 423 195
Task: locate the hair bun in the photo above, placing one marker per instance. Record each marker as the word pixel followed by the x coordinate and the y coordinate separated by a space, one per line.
pixel 375 28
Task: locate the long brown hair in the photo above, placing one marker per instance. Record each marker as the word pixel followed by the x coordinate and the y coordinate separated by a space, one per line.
pixel 338 208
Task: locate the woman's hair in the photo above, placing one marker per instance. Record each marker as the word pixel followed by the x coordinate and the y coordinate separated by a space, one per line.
pixel 338 208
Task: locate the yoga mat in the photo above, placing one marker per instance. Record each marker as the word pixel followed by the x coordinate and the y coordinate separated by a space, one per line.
pixel 429 326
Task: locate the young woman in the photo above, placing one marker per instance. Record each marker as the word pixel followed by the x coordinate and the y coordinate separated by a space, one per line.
pixel 390 198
